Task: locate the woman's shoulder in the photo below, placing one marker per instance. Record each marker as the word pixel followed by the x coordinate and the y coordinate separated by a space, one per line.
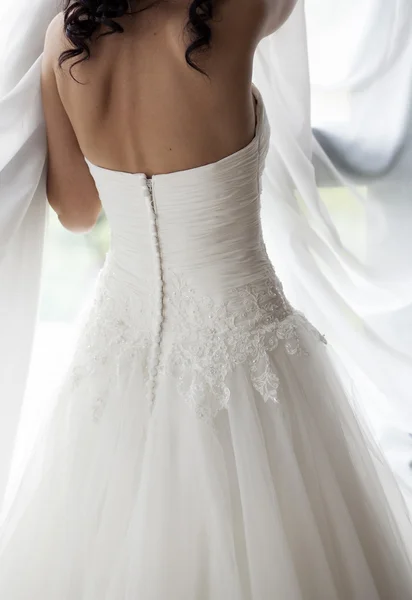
pixel 276 13
pixel 55 41
pixel 55 30
pixel 260 18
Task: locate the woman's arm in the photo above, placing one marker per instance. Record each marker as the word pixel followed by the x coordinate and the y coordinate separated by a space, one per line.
pixel 71 190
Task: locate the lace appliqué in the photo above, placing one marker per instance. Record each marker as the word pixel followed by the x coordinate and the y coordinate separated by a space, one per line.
pixel 110 338
pixel 208 340
pixel 211 339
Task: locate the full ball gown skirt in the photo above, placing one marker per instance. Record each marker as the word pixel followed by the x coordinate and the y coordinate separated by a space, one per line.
pixel 201 446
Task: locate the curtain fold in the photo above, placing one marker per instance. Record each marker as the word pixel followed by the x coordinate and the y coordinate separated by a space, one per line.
pixel 341 241
pixel 22 204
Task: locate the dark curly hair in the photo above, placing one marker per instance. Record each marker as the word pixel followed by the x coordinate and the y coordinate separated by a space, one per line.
pixel 83 18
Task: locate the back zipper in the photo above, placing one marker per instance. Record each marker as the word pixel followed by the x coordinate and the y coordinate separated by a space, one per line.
pixel 158 300
pixel 149 183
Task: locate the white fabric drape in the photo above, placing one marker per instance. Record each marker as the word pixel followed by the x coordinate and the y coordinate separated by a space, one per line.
pixel 343 246
pixel 338 235
pixel 22 204
pixel 352 275
pixel 368 138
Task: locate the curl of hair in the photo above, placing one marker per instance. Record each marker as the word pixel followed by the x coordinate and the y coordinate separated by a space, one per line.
pixel 84 18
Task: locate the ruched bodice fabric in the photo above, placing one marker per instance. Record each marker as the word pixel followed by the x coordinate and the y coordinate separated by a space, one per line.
pixel 207 218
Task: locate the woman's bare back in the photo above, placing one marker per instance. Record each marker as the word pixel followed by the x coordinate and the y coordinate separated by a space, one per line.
pixel 141 108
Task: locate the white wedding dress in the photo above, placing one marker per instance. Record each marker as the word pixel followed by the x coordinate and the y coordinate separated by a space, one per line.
pixel 201 446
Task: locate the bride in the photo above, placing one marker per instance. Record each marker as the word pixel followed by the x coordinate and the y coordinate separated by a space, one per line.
pixel 201 445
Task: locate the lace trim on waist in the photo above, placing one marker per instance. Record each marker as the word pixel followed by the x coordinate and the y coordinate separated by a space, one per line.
pixel 205 341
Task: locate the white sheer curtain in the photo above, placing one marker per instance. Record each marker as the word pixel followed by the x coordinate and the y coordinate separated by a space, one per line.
pixel 345 253
pixel 22 203
pixel 368 139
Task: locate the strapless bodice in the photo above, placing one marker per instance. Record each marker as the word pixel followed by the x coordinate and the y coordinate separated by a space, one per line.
pixel 201 223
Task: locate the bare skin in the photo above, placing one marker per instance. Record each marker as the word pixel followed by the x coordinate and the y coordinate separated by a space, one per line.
pixel 140 108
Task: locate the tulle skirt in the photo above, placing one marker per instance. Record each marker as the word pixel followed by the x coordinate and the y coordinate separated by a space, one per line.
pixel 288 499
